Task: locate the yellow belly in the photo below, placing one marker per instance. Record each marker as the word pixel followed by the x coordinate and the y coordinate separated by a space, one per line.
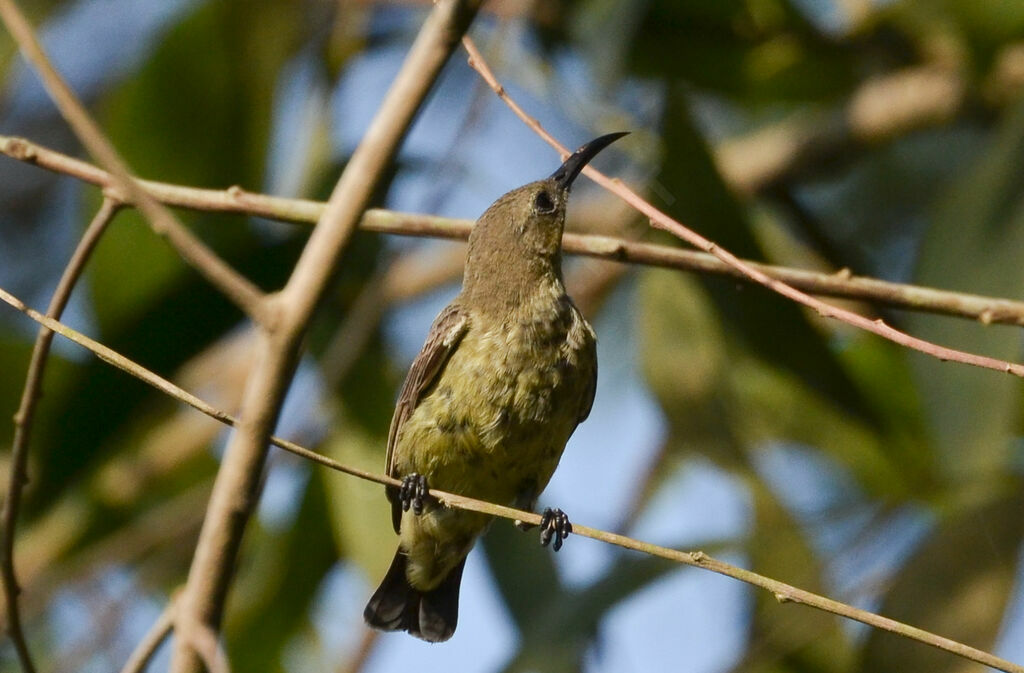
pixel 492 427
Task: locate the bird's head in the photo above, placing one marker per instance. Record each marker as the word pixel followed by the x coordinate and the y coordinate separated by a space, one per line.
pixel 529 221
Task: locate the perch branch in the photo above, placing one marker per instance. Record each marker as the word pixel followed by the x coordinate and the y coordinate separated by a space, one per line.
pixel 783 592
pixel 987 310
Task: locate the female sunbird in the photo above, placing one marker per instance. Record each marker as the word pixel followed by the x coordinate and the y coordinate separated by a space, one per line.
pixel 507 372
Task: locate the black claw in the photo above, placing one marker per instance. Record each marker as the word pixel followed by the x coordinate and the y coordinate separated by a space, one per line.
pixel 554 523
pixel 413 492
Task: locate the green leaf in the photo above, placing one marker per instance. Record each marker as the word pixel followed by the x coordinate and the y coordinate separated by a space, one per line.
pixel 280 572
pixel 359 512
pixel 975 243
pixel 685 362
pixel 787 638
pixel 763 50
pixel 526 577
pixel 773 328
pixel 956 585
pixel 556 638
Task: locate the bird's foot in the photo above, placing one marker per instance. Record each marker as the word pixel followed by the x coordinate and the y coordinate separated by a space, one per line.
pixel 413 492
pixel 554 524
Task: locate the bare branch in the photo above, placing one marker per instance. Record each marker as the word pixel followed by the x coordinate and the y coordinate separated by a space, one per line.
pixel 662 221
pixel 233 285
pixel 151 642
pixel 785 593
pixel 18 476
pixel 987 310
pixel 231 200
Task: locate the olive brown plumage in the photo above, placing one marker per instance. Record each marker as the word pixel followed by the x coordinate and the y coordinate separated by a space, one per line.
pixel 507 372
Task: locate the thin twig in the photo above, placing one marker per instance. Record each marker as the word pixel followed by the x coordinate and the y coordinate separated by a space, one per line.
pixel 151 642
pixel 987 310
pixel 18 474
pixel 235 489
pixel 232 284
pixel 357 661
pixel 662 221
pixel 782 591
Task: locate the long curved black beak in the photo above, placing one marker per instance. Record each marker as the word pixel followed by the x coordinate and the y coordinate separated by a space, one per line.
pixel 569 170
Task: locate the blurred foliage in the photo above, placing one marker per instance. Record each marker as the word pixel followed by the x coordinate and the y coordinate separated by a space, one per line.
pixel 119 473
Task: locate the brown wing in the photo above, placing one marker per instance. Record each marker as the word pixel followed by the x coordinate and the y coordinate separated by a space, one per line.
pixel 588 395
pixel 445 334
pixel 587 400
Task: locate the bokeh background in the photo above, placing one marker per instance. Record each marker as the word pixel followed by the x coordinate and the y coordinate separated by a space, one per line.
pixel 882 136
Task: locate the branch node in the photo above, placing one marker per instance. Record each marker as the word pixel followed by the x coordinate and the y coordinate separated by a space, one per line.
pixel 20 149
pixel 987 317
pixel 115 195
pixel 606 246
pixel 844 273
pixel 782 597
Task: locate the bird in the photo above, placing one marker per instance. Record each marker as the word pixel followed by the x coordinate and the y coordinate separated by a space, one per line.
pixel 507 372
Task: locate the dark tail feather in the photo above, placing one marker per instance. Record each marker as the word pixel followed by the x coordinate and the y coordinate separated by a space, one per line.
pixel 430 615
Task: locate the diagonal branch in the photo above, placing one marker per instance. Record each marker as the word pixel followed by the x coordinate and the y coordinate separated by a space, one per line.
pixel 18 475
pixel 236 486
pixel 236 287
pixel 784 593
pixel 660 220
pixel 150 643
pixel 987 310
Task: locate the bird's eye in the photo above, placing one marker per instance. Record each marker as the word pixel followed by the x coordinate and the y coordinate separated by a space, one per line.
pixel 542 203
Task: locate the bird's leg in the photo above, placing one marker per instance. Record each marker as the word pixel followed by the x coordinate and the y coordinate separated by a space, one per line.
pixel 413 492
pixel 554 523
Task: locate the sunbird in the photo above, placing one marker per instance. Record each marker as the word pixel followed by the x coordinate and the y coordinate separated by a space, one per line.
pixel 508 371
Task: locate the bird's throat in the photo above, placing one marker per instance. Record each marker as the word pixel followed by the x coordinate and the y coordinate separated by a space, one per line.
pixel 501 287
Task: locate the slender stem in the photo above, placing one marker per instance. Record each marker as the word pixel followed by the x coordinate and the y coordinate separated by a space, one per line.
pixel 357 662
pixel 18 475
pixel 232 284
pixel 783 592
pixel 662 221
pixel 987 310
pixel 151 642
pixel 235 488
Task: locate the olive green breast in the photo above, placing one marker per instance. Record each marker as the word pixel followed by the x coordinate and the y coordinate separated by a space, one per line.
pixel 495 422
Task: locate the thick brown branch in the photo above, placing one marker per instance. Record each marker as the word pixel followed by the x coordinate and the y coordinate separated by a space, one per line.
pixel 785 593
pixel 235 488
pixel 988 310
pixel 18 475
